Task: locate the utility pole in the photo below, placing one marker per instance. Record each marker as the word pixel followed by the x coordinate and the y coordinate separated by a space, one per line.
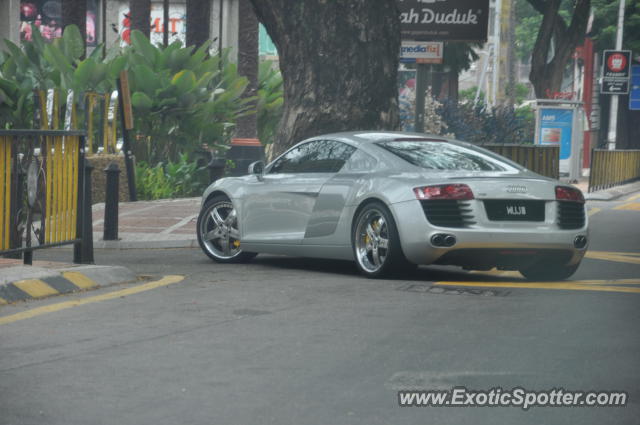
pixel 140 11
pixel 165 23
pixel 613 110
pixel 496 51
pixel 481 83
pixel 505 85
pixel 512 61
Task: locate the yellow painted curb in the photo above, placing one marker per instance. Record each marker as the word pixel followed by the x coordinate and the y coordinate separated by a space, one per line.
pixel 167 280
pixel 35 288
pixel 80 280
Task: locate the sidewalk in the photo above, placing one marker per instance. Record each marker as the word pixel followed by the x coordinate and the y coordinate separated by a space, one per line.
pixel 167 223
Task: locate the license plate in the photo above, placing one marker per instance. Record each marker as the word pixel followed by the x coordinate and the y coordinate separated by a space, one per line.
pixel 514 210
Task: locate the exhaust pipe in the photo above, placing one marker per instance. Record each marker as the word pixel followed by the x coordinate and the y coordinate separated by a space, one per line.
pixel 443 240
pixel 437 239
pixel 580 242
pixel 449 240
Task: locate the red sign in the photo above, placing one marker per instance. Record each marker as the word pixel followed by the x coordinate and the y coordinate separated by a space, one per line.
pixel 617 62
pixel 566 95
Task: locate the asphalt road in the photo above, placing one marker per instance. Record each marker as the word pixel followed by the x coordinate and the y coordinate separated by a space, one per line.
pixel 299 341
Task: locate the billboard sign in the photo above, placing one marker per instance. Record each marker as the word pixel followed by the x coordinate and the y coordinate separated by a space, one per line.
pixel 556 125
pixel 177 23
pixel 45 16
pixel 421 51
pixel 616 65
pixel 444 20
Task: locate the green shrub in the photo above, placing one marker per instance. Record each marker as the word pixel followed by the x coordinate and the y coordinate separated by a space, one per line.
pixel 182 98
pixel 480 125
pixel 39 65
pixel 179 179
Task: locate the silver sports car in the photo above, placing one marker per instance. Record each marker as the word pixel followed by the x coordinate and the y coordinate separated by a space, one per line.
pixel 391 200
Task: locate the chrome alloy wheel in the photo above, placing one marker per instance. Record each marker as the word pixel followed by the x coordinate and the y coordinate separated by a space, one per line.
pixel 372 241
pixel 219 230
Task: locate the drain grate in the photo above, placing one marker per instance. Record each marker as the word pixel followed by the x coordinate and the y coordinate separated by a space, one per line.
pixel 429 288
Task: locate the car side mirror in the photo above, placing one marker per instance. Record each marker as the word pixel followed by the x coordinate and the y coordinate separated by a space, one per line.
pixel 257 169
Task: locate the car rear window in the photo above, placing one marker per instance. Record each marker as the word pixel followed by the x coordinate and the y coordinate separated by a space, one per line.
pixel 444 156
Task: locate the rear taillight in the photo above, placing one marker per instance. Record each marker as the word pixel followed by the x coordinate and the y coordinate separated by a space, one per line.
pixel 565 193
pixel 458 192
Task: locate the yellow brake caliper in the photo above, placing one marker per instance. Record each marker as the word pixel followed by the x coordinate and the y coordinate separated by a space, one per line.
pixel 374 225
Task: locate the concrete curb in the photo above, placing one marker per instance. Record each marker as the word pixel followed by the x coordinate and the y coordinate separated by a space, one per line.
pixel 146 244
pixel 20 283
pixel 140 241
pixel 613 193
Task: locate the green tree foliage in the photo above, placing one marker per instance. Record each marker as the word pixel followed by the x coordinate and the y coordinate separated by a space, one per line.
pixel 38 65
pixel 606 20
pixel 469 95
pixel 182 98
pixel 529 20
pixel 556 41
pixel 603 30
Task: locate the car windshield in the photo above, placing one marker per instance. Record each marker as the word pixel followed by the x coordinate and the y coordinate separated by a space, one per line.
pixel 444 156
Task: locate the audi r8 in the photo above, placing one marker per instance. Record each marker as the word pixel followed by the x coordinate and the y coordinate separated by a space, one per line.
pixel 393 200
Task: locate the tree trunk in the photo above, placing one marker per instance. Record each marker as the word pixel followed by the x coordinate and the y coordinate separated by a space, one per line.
pixel 546 75
pixel 165 25
pixel 339 63
pixel 247 126
pixel 198 22
pixel 140 11
pixel 74 12
pixel 452 86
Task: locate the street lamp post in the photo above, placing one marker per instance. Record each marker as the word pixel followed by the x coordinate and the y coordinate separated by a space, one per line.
pixel 613 110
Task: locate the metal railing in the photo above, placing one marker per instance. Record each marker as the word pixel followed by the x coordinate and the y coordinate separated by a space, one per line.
pixel 42 192
pixel 544 160
pixel 102 110
pixel 59 109
pixel 613 168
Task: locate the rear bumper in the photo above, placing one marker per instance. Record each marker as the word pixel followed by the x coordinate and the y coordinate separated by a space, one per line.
pixel 483 244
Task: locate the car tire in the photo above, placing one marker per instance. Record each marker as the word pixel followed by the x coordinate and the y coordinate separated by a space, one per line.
pixel 376 243
pixel 217 230
pixel 549 272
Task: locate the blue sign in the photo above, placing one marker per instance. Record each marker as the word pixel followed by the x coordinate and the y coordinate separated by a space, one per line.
pixel 555 129
pixel 634 94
